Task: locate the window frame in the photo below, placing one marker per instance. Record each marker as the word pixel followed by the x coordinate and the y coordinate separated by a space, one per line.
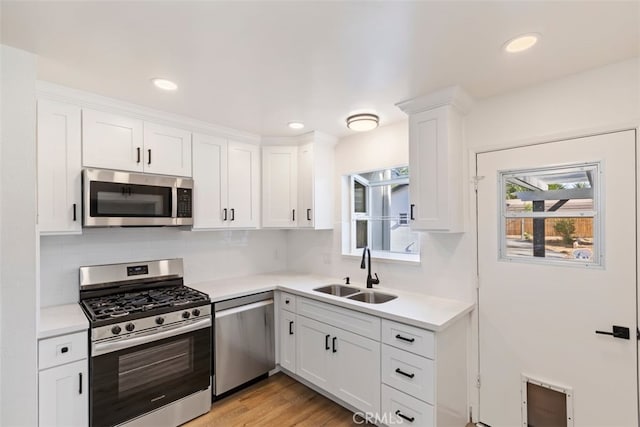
pixel 349 248
pixel 598 257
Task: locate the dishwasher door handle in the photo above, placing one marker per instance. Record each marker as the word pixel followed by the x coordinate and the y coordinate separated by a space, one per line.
pixel 241 308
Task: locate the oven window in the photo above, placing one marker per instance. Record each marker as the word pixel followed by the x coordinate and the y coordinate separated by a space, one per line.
pixel 153 366
pixel 127 200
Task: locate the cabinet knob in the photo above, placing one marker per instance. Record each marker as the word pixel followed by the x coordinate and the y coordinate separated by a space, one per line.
pixel 64 349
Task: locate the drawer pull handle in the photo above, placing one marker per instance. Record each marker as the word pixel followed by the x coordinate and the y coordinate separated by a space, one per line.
pixel 64 349
pixel 401 415
pixel 80 378
pixel 290 327
pixel 326 342
pixel 401 372
pixel 224 213
pixel 400 337
pixel 335 350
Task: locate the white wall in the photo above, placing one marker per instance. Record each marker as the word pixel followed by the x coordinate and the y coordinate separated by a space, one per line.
pixel 208 255
pixel 592 100
pixel 18 244
pixel 445 268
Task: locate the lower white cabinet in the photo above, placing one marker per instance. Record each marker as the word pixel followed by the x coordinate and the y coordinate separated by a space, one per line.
pixel 63 392
pixel 63 395
pixel 342 363
pixel 288 337
pixel 393 372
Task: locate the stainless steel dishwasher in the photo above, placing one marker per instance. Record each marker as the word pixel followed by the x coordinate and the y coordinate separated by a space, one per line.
pixel 244 340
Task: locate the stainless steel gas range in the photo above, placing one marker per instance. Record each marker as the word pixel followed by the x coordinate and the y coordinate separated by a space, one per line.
pixel 150 344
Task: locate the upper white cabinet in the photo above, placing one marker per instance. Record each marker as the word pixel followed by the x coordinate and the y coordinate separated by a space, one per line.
pixel 298 182
pixel 167 150
pixel 59 168
pixel 436 160
pixel 227 183
pixel 279 186
pixel 112 141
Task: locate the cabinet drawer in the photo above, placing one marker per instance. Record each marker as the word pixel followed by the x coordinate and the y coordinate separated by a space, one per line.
pixel 288 302
pixel 403 409
pixel 343 318
pixel 410 338
pixel 63 349
pixel 409 373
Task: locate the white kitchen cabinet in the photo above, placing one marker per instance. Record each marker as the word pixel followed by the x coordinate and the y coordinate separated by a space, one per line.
pixel 167 150
pixel 314 352
pixel 111 141
pixel 298 183
pixel 63 381
pixel 342 363
pixel 244 185
pixel 315 185
pixel 436 160
pixel 227 184
pixel 63 395
pixel 279 186
pixel 59 168
pixel 288 337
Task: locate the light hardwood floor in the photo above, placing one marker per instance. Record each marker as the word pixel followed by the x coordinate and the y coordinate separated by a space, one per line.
pixel 278 401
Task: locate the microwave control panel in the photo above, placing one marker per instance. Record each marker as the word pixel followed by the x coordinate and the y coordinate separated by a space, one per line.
pixel 184 203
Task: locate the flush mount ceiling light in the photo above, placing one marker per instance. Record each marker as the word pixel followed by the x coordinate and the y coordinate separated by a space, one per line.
pixel 296 125
pixel 164 84
pixel 362 122
pixel 521 43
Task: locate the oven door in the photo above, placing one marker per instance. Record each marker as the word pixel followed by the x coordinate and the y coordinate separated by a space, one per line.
pixel 133 376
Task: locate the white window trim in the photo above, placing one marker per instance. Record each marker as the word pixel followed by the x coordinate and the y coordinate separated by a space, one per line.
pixel 598 224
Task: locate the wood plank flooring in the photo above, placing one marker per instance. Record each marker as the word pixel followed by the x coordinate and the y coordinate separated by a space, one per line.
pixel 278 401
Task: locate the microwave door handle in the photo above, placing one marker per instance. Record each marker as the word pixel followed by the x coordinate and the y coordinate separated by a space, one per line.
pixel 174 203
pixel 147 337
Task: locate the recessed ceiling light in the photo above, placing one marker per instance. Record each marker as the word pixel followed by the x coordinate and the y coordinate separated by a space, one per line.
pixel 296 125
pixel 362 122
pixel 521 43
pixel 164 84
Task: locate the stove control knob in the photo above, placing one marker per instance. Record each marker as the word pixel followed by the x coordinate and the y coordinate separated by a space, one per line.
pixel 130 327
pixel 186 315
pixel 196 312
pixel 159 320
pixel 116 330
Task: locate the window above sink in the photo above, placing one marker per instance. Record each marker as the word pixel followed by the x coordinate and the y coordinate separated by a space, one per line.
pixel 376 215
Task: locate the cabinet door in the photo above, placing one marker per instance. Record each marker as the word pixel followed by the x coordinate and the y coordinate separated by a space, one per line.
pixel 279 186
pixel 63 395
pixel 210 178
pixel 288 340
pixel 110 141
pixel 167 150
pixel 314 352
pixel 356 370
pixel 59 168
pixel 305 186
pixel 435 167
pixel 244 185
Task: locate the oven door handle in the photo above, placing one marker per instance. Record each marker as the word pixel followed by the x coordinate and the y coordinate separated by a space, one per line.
pixel 111 346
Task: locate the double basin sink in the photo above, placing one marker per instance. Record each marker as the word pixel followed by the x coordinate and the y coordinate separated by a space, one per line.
pixel 355 294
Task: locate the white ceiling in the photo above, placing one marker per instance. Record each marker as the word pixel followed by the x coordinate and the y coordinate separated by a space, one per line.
pixel 255 66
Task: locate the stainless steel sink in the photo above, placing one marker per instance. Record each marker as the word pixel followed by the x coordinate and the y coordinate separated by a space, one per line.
pixel 372 297
pixel 338 290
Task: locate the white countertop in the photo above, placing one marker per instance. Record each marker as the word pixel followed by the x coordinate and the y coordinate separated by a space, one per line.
pixel 415 309
pixel 61 319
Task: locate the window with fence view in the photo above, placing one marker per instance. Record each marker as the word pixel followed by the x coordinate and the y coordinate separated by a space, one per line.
pixel 551 215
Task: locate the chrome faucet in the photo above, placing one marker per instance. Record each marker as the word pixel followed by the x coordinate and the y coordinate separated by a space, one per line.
pixel 370 280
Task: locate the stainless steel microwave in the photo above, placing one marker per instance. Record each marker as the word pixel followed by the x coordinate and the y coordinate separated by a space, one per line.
pixel 115 198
